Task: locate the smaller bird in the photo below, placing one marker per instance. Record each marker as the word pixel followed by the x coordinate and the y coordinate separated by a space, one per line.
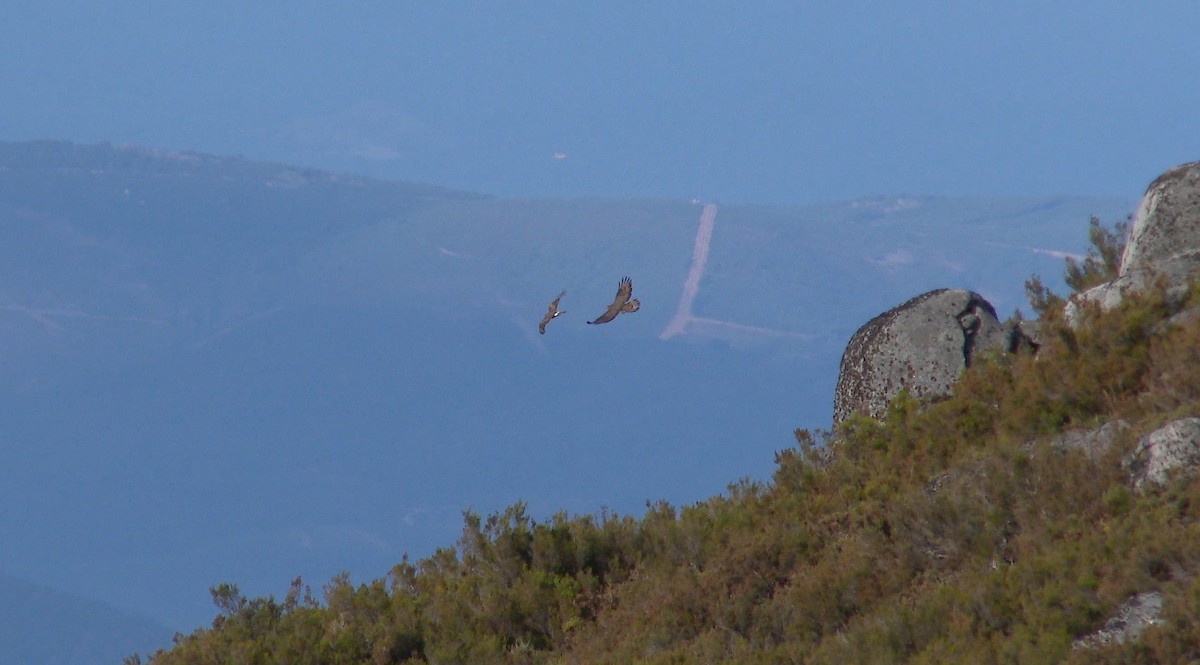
pixel 622 303
pixel 551 313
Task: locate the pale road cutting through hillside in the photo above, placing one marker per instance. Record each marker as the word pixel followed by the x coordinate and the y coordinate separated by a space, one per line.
pixel 683 314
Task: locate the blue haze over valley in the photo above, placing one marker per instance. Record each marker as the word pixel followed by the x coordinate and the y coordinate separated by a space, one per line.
pixel 270 280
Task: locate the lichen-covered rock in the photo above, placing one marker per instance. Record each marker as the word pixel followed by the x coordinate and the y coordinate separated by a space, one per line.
pixel 1133 616
pixel 1106 295
pixel 1094 442
pixel 920 347
pixel 1163 242
pixel 1173 446
pixel 1165 238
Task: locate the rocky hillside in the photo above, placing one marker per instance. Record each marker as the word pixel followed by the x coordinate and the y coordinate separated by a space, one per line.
pixel 1043 507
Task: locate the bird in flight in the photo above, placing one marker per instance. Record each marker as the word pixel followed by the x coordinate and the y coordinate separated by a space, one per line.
pixel 551 313
pixel 622 303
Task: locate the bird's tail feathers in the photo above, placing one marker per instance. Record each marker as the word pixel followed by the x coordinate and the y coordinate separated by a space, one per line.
pixel 632 306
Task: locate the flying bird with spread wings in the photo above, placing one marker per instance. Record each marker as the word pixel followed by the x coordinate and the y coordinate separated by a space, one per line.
pixel 552 313
pixel 624 302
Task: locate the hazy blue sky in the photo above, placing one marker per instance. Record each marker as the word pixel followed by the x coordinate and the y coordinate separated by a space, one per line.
pixel 760 102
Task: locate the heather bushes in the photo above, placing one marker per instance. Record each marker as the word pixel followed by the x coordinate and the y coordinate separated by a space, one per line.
pixel 951 532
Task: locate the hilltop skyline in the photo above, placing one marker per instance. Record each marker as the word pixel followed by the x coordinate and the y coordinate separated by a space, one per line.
pixel 769 103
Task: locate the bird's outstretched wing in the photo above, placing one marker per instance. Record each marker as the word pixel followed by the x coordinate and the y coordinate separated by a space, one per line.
pixel 621 303
pixel 551 313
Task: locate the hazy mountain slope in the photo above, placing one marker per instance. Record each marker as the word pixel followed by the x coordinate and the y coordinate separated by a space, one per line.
pixel 41 625
pixel 113 245
pixel 105 243
pixel 768 268
pixel 217 370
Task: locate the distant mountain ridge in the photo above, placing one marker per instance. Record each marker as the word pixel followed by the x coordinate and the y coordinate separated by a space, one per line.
pixel 100 158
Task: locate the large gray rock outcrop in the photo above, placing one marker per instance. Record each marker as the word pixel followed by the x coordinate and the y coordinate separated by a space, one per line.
pixel 1165 238
pixel 1164 241
pixel 920 347
pixel 1173 446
